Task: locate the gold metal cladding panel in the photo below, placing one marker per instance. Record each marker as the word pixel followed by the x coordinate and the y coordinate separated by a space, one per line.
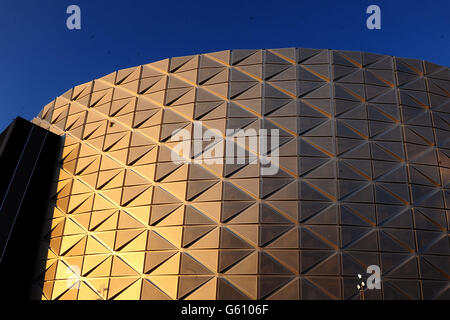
pixel 363 180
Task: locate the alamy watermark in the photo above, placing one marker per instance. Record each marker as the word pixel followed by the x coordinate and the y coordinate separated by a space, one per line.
pixel 73 21
pixel 373 281
pixel 73 277
pixel 374 20
pixel 239 146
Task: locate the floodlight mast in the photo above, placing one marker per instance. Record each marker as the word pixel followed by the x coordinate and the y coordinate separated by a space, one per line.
pixel 360 287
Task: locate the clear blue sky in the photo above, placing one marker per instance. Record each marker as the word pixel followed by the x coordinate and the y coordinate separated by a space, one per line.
pixel 40 58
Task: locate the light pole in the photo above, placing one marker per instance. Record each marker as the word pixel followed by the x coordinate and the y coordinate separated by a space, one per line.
pixel 360 287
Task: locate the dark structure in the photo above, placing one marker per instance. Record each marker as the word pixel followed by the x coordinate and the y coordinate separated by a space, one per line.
pixel 28 156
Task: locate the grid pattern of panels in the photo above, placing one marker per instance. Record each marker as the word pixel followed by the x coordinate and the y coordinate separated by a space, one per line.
pixel 363 179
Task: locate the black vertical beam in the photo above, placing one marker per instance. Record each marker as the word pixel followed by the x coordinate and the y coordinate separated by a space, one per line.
pixel 27 168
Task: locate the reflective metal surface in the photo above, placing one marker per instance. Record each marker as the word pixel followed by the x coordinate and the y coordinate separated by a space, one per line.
pixel 363 180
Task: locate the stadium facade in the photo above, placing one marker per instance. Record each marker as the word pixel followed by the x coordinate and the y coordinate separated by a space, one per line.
pixel 362 179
